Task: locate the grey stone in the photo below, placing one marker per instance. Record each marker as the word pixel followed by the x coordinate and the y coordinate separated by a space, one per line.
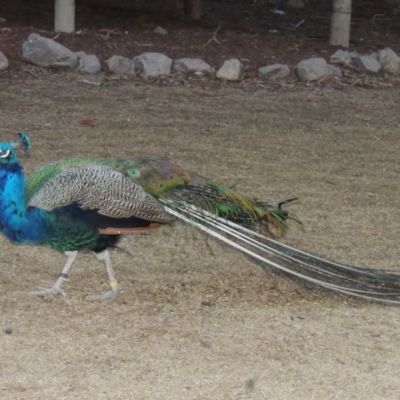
pixel 121 66
pixel 46 52
pixel 90 64
pixel 390 61
pixel 368 64
pixel 275 71
pixel 160 31
pixel 3 61
pixel 231 70
pixel 153 64
pixel 195 65
pixel 312 69
pixel 334 71
pixel 341 57
pixel 80 54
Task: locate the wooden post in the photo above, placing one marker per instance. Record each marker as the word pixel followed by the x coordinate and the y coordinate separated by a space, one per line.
pixel 64 16
pixel 340 24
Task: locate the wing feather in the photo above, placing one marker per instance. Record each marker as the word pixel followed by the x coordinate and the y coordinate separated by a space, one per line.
pixel 97 187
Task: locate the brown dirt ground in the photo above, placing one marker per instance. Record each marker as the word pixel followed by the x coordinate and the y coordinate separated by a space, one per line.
pixel 190 324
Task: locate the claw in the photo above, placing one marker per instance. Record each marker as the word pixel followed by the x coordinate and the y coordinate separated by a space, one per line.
pixel 47 293
pixel 108 296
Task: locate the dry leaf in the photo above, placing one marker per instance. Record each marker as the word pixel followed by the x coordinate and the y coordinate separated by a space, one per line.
pixel 89 122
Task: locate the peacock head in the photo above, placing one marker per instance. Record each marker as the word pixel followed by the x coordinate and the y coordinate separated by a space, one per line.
pixel 8 157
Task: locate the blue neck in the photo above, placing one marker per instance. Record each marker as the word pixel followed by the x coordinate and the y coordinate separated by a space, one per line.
pixel 15 222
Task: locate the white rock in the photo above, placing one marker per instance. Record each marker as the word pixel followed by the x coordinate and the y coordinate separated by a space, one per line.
pixel 3 61
pixel 390 61
pixel 195 65
pixel 48 53
pixel 90 63
pixel 153 64
pixel 312 69
pixel 231 70
pixel 160 31
pixel 121 66
pixel 275 71
pixel 341 57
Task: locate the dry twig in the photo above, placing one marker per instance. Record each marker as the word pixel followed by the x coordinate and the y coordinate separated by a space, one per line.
pixel 213 37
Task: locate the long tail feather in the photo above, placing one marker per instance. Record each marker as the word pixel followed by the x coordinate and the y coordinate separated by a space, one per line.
pixel 370 284
pixel 222 201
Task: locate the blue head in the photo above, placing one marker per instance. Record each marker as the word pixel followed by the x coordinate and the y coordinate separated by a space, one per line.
pixel 13 221
pixel 8 158
pixel 12 187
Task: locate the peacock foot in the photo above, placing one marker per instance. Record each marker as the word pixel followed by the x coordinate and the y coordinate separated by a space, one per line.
pixel 47 293
pixel 105 296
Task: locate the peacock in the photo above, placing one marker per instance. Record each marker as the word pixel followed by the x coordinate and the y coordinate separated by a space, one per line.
pixel 88 203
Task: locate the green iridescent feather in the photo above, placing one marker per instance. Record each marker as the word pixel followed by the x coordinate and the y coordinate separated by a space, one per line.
pixel 162 178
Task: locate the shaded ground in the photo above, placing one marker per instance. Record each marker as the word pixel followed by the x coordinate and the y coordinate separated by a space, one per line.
pixel 191 324
pixel 243 29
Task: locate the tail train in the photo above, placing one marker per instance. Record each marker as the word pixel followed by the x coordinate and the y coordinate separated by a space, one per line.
pixel 366 283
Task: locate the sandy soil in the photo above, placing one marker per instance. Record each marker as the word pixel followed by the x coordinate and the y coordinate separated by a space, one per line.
pixel 191 324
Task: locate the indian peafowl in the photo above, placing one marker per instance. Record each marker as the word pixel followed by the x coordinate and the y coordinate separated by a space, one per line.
pixel 88 203
pixel 77 204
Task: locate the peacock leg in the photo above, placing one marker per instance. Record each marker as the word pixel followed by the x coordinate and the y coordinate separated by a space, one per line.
pixel 62 276
pixel 111 294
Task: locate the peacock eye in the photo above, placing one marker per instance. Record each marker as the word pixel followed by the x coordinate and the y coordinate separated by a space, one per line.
pixel 5 153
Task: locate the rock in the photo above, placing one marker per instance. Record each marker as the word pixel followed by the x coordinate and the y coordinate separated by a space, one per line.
pixel 390 61
pixel 153 64
pixel 195 65
pixel 121 66
pixel 80 54
pixel 46 52
pixel 2 20
pixel 368 64
pixel 334 71
pixel 275 71
pixel 160 31
pixel 343 57
pixel 312 69
pixel 231 70
pixel 3 61
pixel 90 64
